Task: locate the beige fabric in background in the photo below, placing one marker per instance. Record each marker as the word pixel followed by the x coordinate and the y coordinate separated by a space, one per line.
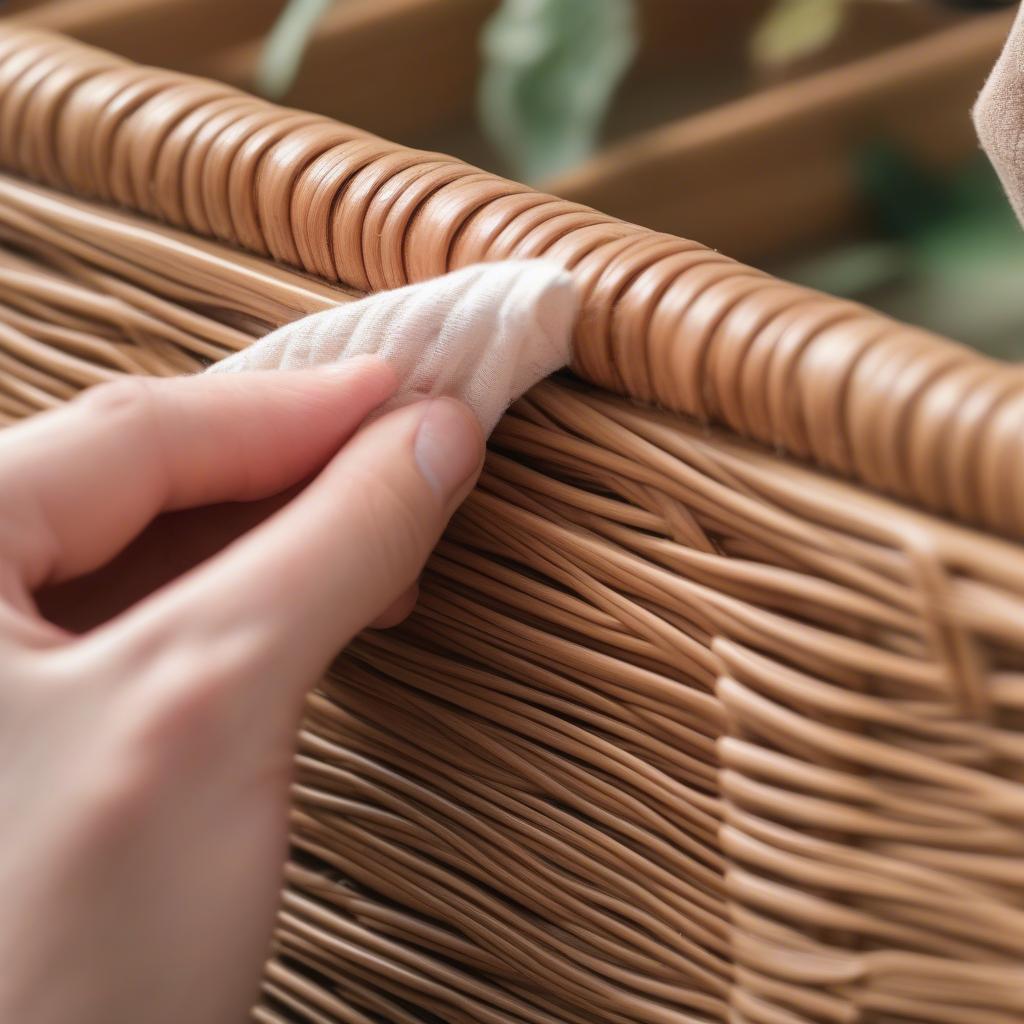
pixel 483 335
pixel 999 116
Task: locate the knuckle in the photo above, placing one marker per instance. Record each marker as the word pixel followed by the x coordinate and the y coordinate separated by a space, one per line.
pixel 128 399
pixel 105 782
pixel 227 661
pixel 150 748
pixel 120 787
pixel 188 703
pixel 166 717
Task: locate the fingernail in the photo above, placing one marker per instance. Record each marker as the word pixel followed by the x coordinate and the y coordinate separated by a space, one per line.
pixel 448 446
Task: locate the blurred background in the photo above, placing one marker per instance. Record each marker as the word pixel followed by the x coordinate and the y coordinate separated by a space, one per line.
pixel 828 141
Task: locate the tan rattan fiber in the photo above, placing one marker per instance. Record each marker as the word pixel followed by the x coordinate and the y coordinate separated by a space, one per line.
pixel 682 730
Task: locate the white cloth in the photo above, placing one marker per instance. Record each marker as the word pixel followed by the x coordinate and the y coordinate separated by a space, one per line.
pixel 999 116
pixel 483 335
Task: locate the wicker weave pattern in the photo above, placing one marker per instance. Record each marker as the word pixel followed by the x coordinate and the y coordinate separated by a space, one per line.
pixel 681 732
pixel 665 320
pixel 669 704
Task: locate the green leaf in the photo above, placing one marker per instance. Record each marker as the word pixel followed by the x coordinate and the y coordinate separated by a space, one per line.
pixel 286 44
pixel 794 29
pixel 551 68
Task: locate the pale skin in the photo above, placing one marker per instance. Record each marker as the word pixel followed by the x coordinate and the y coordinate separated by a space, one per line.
pixel 154 662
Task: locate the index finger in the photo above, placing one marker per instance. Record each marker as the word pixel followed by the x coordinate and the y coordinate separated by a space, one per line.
pixel 77 484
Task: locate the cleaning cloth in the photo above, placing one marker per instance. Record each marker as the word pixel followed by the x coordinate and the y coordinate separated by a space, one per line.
pixel 483 335
pixel 999 116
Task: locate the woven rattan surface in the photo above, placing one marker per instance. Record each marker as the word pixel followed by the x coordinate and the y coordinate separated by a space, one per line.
pixel 682 730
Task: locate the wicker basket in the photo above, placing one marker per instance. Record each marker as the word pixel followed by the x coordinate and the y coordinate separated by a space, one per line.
pixel 712 708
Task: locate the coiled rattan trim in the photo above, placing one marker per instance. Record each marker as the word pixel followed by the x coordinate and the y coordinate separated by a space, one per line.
pixel 664 320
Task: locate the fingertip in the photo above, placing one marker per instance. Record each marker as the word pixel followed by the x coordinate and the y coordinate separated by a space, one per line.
pixel 449 446
pixel 366 367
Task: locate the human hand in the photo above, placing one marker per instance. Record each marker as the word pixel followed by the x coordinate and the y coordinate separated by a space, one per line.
pixel 146 758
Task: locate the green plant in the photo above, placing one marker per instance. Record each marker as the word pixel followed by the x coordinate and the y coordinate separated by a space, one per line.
pixel 550 70
pixel 284 47
pixel 796 28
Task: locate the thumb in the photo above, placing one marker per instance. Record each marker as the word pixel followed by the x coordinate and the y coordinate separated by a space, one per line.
pixel 283 599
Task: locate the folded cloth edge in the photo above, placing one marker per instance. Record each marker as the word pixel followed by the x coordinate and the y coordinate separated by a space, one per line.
pixel 484 335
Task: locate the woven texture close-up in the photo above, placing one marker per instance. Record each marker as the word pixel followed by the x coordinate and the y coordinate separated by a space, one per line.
pixel 712 706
